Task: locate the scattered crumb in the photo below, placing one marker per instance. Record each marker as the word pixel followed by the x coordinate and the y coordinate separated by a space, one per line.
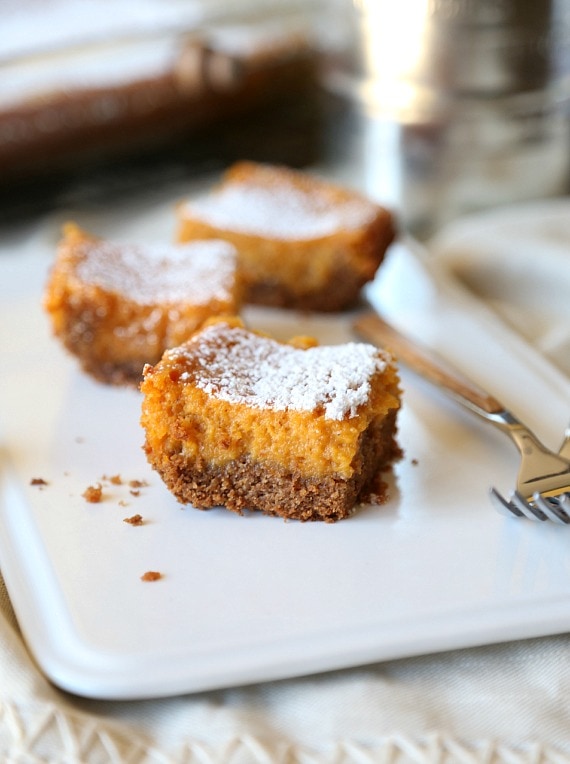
pixel 138 483
pixel 93 494
pixel 415 462
pixel 134 520
pixel 79 439
pixel 151 575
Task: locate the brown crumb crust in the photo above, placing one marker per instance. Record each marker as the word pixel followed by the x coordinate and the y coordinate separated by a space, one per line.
pixel 127 374
pixel 341 293
pixel 244 484
pixel 342 288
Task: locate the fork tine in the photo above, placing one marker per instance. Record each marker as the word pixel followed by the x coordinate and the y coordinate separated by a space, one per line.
pixel 528 510
pixel 558 511
pixel 551 509
pixel 503 506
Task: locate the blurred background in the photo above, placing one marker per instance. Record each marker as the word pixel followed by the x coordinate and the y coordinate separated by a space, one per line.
pixel 433 107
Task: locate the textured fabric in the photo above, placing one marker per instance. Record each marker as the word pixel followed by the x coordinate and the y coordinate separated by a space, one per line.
pixel 507 703
pixel 517 260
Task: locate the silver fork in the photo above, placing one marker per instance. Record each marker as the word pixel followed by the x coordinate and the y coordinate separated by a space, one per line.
pixel 542 489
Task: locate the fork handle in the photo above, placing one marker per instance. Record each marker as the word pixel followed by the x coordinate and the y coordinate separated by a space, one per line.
pixel 426 363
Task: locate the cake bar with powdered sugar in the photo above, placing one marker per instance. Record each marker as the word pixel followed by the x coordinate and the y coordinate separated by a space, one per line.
pixel 303 242
pixel 237 419
pixel 117 306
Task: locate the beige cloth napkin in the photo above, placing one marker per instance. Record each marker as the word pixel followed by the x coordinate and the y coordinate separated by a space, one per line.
pixel 499 704
pixel 518 260
pixel 504 704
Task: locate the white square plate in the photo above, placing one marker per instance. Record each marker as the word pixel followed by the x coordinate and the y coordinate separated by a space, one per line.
pixel 253 598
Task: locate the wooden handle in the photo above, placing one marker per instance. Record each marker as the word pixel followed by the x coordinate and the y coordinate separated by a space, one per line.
pixel 425 363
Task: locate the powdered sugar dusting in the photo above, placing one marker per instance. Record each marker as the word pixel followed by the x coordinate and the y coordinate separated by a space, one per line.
pixel 196 273
pixel 238 366
pixel 278 211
